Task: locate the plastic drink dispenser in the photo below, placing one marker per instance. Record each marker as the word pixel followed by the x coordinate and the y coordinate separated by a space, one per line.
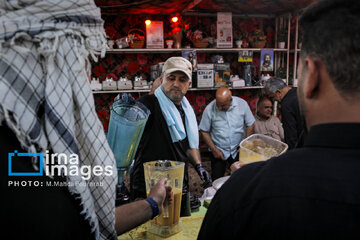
pixel 168 223
pixel 127 122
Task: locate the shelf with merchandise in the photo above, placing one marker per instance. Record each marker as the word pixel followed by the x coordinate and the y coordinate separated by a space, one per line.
pixel 179 50
pixel 190 89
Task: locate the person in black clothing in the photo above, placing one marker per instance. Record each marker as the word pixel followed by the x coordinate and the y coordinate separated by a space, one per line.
pixel 47 108
pixel 293 125
pixel 157 142
pixel 310 192
pixel 25 207
pixel 48 210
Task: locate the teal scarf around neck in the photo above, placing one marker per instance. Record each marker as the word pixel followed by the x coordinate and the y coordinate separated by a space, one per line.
pixel 174 121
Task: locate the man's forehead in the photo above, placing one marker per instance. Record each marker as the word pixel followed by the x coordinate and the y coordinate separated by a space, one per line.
pixel 267 104
pixel 177 74
pixel 223 100
pixel 267 101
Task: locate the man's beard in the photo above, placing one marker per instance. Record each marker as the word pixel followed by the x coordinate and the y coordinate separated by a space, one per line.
pixel 172 97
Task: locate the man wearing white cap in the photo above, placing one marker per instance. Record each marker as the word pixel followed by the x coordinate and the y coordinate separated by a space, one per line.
pixel 171 131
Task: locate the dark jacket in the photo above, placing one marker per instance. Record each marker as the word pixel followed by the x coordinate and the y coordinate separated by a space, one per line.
pixel 292 122
pixel 41 211
pixel 156 144
pixel 307 193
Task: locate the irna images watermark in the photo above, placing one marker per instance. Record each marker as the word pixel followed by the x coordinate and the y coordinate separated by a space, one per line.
pixel 55 164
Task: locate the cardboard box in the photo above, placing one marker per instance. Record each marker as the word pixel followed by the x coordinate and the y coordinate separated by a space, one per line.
pixel 222 75
pixel 155 35
pixel 124 85
pixel 224 30
pixel 238 83
pixel 109 85
pixel 205 78
pixel 95 85
pixel 205 66
pixel 141 84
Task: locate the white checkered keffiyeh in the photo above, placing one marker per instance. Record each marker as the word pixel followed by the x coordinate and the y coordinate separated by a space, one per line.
pixel 45 96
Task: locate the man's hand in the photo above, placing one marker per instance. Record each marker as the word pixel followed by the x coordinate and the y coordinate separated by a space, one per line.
pixel 131 215
pixel 204 175
pixel 235 166
pixel 159 192
pixel 217 153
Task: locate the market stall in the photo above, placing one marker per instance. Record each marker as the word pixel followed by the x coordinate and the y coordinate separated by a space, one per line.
pixel 152 119
pixel 257 28
pixel 226 41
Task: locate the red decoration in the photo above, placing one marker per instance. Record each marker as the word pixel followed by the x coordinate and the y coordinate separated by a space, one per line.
pixel 146 68
pixel 142 59
pixel 253 103
pixel 112 75
pixel 133 67
pixel 200 100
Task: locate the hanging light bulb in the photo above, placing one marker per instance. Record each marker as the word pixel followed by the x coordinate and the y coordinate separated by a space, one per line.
pixel 174 19
pixel 147 22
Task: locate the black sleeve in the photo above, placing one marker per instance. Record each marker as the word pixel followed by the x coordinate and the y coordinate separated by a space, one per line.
pixel 218 219
pixel 27 209
pixel 225 217
pixel 289 121
pixel 148 100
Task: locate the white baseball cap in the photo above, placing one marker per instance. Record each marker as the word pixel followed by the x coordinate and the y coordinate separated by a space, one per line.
pixel 181 64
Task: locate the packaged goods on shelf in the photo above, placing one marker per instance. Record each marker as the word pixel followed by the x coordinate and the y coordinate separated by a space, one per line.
pixel 222 74
pixel 95 85
pixel 205 75
pixel 124 84
pixel 109 84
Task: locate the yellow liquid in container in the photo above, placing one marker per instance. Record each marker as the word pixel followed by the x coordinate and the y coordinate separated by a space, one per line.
pixel 246 157
pixel 168 223
pixel 258 147
pixel 174 213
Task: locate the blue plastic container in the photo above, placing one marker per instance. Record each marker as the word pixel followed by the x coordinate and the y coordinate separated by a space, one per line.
pixel 127 122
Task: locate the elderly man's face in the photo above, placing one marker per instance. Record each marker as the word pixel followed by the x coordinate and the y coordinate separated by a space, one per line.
pixel 265 109
pixel 274 96
pixel 175 86
pixel 224 104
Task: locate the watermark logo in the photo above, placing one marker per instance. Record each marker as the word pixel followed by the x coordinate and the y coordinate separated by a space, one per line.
pixel 55 164
pixel 15 156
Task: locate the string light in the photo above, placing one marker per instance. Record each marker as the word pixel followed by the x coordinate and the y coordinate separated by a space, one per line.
pixel 174 19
